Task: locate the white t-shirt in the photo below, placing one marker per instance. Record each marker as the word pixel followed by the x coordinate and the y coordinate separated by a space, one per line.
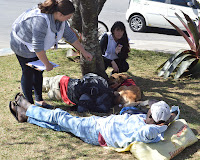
pixel 111 46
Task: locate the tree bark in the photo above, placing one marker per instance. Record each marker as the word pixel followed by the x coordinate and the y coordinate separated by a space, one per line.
pixel 77 20
pixel 85 20
pixel 100 5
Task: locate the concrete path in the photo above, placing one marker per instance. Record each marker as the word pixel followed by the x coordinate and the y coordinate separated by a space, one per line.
pixel 159 46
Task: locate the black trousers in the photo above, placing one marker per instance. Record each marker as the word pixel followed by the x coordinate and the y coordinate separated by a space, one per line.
pixel 31 79
pixel 122 64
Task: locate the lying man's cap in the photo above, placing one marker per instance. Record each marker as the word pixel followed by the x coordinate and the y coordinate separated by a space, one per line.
pixel 160 111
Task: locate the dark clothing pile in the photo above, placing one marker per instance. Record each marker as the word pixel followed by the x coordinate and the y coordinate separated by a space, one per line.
pixel 91 93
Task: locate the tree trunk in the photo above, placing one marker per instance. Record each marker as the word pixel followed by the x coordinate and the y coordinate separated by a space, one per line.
pixel 85 20
pixel 100 5
pixel 77 20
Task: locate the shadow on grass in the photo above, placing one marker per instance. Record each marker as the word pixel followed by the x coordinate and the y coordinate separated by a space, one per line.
pixel 156 86
pixel 163 89
pixel 148 85
pixel 26 143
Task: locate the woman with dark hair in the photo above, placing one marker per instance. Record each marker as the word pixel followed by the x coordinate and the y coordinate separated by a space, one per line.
pixel 34 32
pixel 115 48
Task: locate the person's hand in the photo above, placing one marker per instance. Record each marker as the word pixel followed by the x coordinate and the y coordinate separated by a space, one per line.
pixel 49 67
pixel 161 124
pixel 115 67
pixel 118 48
pixel 79 47
pixel 87 56
pixel 43 57
pixel 153 132
pixel 175 110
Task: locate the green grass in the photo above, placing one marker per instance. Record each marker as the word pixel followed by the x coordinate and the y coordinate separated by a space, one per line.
pixel 26 141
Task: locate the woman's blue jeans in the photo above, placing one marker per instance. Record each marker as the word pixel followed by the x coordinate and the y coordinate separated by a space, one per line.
pixel 31 79
pixel 86 128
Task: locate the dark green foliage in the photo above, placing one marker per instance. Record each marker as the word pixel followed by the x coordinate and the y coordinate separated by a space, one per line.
pixel 183 62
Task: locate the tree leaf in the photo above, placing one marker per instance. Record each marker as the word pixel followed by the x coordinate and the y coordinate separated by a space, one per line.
pixel 168 63
pixel 191 44
pixel 198 51
pixel 175 63
pixel 161 66
pixel 199 25
pixel 194 67
pixel 186 27
pixel 193 28
pixel 184 65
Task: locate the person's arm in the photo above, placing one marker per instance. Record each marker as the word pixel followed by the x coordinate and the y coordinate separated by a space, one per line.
pixel 79 47
pixel 114 66
pixel 118 49
pixel 71 37
pixel 39 32
pixel 150 133
pixel 104 43
pixel 124 53
pixel 42 56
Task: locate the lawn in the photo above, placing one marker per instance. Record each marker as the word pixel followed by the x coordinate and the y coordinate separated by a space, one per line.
pixel 27 141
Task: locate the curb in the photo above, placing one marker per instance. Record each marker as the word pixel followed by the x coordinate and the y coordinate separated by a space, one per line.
pixel 159 46
pixel 6 52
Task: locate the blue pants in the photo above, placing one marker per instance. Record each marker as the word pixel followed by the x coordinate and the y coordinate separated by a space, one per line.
pixel 31 79
pixel 86 128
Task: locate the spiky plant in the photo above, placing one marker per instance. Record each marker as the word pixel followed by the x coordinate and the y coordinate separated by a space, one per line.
pixel 184 61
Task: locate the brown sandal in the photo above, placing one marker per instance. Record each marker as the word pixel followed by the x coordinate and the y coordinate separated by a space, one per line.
pixel 18 112
pixel 14 113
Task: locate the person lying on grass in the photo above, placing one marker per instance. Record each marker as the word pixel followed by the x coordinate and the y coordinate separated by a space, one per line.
pixel 114 131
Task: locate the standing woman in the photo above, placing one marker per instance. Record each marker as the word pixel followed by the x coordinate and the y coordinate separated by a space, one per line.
pixel 34 32
pixel 115 48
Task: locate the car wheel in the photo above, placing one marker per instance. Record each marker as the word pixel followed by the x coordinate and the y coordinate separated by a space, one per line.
pixel 137 23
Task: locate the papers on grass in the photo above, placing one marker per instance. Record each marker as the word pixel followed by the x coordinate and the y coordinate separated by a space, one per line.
pixel 38 65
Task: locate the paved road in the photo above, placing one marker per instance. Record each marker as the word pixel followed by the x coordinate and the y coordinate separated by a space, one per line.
pixel 154 39
pixel 9 11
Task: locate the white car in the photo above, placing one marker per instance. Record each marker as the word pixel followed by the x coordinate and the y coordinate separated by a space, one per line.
pixel 143 13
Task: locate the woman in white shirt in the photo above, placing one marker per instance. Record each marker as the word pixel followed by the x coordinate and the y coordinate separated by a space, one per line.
pixel 34 32
pixel 115 48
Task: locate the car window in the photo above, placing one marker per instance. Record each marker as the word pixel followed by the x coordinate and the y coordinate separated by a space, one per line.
pixel 163 1
pixel 180 2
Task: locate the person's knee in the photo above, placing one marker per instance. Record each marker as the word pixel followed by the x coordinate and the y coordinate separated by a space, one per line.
pixel 124 67
pixel 58 114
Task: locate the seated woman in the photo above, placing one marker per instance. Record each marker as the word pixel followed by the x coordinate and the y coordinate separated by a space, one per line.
pixel 115 48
